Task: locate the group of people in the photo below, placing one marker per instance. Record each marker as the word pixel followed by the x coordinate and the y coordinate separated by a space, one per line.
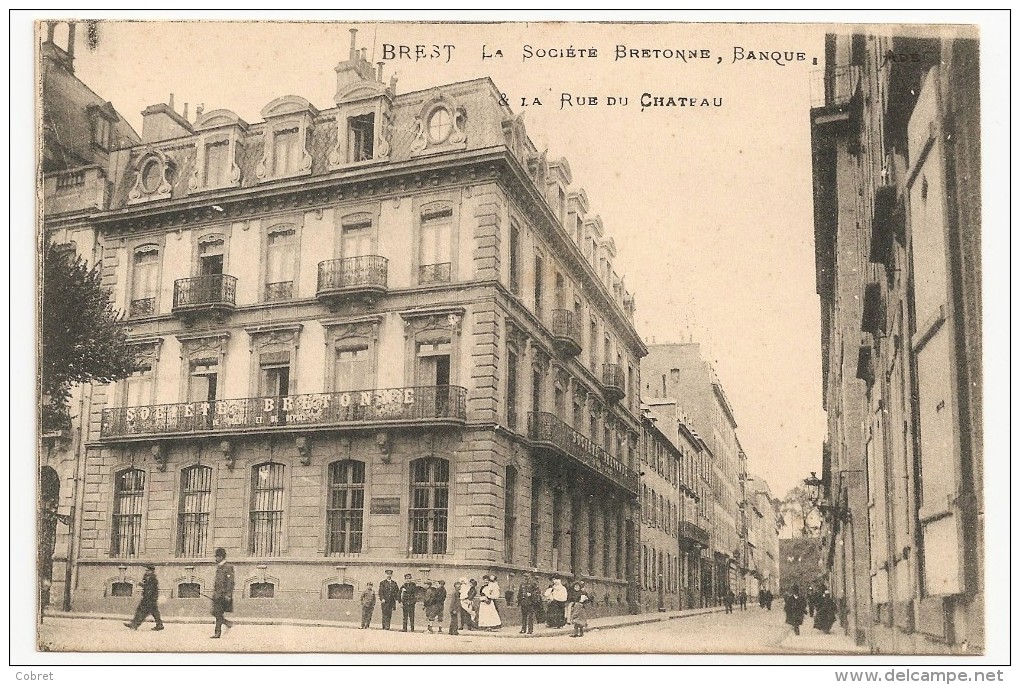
pixel 730 598
pixel 470 606
pixel 817 603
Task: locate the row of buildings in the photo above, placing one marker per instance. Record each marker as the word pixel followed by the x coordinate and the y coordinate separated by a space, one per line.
pixel 897 184
pixel 385 334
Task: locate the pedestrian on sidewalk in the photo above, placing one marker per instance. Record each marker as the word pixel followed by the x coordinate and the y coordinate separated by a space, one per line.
pixel 467 618
pixel 768 599
pixel 810 599
pixel 529 599
pixel 434 608
pixel 795 607
pixel 579 613
pixel 408 597
pixel 367 606
pixel 223 592
pixel 455 609
pixel 488 615
pixel 728 600
pixel 557 596
pixel 149 603
pixel 389 593
pixel 743 600
pixel 825 612
pixel 573 592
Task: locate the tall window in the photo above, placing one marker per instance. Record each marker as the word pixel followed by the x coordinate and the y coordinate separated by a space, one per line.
pixel 593 346
pixel 352 369
pixel 536 390
pixel 539 277
pixel 509 513
pixel 210 256
pixel 593 535
pixel 430 504
pixel 511 389
pixel 560 292
pixel 274 374
pixel 267 487
pixel 345 511
pixel 281 249
pixel 138 390
pixel 356 236
pixel 129 490
pixel 607 536
pixel 620 545
pixel 515 258
pixel 286 155
pixel 193 512
pixel 217 164
pixel 536 526
pixel 145 281
pixel 361 138
pixel 434 247
pixel 202 381
pixel 557 532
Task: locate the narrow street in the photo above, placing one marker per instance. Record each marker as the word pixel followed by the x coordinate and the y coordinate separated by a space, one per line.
pixel 754 631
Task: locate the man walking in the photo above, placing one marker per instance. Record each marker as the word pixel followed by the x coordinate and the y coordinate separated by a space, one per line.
pixel 455 609
pixel 150 601
pixel 407 599
pixel 367 606
pixel 743 600
pixel 389 593
pixel 223 592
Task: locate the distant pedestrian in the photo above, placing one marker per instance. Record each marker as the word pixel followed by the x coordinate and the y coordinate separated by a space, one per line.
pixel 488 614
pixel 743 600
pixel 728 599
pixel 408 597
pixel 149 603
pixel 579 612
pixel 810 599
pixel 573 593
pixel 557 596
pixel 367 605
pixel 223 592
pixel 467 619
pixel 389 593
pixel 795 607
pixel 825 612
pixel 529 599
pixel 455 609
pixel 434 608
pixel 768 599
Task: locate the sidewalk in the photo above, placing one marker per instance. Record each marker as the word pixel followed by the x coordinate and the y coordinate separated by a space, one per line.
pixel 811 641
pixel 603 623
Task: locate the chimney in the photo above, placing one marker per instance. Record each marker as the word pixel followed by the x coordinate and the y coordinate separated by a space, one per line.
pixel 356 68
pixel 51 27
pixel 160 122
pixel 380 65
pixel 70 41
pixel 185 112
pixel 364 54
pixel 354 41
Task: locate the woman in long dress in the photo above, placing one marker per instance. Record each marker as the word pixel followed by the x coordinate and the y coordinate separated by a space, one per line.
pixel 488 616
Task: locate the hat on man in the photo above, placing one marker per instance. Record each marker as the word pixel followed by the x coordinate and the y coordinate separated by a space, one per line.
pixel 408 576
pixel 389 572
pixel 151 567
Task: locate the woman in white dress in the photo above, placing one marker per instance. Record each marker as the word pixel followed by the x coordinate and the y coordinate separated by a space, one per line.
pixel 488 615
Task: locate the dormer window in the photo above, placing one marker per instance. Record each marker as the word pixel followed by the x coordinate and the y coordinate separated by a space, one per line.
pixel 440 125
pixel 154 176
pixel 218 138
pixel 216 163
pixel 285 137
pixel 285 152
pixel 361 135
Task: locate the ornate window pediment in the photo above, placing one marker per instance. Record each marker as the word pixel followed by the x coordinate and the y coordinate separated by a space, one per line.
pixel 364 122
pixel 154 174
pixel 218 135
pixel 285 138
pixel 440 125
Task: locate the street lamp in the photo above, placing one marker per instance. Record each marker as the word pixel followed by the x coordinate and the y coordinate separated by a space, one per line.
pixel 814 488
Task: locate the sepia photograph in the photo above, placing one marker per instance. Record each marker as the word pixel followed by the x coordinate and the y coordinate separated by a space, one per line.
pixel 426 336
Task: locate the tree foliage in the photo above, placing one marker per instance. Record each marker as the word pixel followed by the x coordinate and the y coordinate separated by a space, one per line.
pixel 83 340
pixel 801 512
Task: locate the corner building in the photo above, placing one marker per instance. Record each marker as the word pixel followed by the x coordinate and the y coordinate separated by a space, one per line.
pixel 383 335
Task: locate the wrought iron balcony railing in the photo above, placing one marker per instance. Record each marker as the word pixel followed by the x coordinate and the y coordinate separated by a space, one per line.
pixel 145 306
pixel 365 274
pixel 694 533
pixel 549 431
pixel 212 291
pixel 434 273
pixel 566 330
pixel 836 87
pixel 614 382
pixel 355 408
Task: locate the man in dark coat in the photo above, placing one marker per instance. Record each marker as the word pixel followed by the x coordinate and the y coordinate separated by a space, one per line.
pixel 795 608
pixel 435 600
pixel 825 611
pixel 149 603
pixel 389 594
pixel 728 599
pixel 408 596
pixel 529 599
pixel 367 606
pixel 743 600
pixel 223 592
pixel 455 609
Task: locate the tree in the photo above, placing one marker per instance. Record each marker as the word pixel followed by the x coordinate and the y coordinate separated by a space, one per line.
pixel 801 512
pixel 83 340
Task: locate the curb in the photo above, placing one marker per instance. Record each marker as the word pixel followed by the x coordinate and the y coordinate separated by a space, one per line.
pixel 312 623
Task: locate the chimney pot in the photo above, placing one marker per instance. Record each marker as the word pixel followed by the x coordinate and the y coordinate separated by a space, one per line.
pixel 380 65
pixel 185 113
pixel 171 102
pixel 70 40
pixel 364 54
pixel 354 49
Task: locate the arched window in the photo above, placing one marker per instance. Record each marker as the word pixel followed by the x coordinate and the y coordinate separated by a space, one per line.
pixel 345 510
pixel 266 514
pixel 430 502
pixel 509 513
pixel 129 490
pixel 193 512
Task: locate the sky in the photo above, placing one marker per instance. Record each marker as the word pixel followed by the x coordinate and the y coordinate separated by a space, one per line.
pixel 710 207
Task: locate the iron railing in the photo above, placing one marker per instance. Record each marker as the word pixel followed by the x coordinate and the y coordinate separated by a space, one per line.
pixel 690 531
pixel 547 428
pixel 319 410
pixel 834 88
pixel 434 273
pixel 614 379
pixel 213 289
pixel 566 328
pixel 143 307
pixel 368 271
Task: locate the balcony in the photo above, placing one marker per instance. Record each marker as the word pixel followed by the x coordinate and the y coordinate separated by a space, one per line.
pixel 694 533
pixel 214 293
pixel 352 278
pixel 80 189
pixel 390 407
pixel 613 382
pixel 550 434
pixel 566 330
